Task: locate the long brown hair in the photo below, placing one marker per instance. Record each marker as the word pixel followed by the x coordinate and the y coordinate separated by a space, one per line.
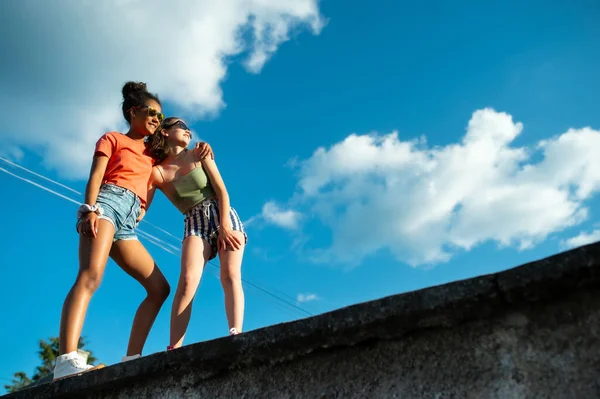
pixel 157 143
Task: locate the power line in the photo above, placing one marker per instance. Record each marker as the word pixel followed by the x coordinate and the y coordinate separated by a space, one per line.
pixel 40 176
pixel 151 238
pixel 39 186
pixel 250 283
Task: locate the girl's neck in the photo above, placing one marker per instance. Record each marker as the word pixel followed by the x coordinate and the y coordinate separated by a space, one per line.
pixel 132 134
pixel 176 151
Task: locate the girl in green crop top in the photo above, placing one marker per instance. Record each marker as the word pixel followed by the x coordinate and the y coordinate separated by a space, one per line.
pixel 196 188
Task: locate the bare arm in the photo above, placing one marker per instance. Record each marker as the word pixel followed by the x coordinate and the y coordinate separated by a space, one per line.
pixel 226 236
pixel 97 171
pixel 89 221
pixel 219 186
pixel 153 182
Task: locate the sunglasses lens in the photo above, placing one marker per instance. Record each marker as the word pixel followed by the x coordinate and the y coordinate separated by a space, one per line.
pixel 152 112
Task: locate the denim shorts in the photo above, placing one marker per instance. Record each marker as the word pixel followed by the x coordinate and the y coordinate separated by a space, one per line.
pixel 121 207
pixel 203 221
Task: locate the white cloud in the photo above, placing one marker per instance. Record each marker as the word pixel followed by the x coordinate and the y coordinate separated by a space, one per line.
pixel 581 239
pixel 302 298
pixel 273 214
pixel 64 62
pixel 13 153
pixel 377 192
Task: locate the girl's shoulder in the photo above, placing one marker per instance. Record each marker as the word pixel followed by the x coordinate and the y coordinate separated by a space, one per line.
pixel 115 134
pixel 113 137
pixel 157 175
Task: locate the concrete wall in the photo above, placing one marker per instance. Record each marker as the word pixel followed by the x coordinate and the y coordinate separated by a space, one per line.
pixel 529 332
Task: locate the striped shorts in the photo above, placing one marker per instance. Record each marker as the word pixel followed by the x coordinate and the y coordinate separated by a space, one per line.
pixel 203 221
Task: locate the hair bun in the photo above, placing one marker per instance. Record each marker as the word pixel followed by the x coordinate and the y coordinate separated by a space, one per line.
pixel 133 89
pixel 135 94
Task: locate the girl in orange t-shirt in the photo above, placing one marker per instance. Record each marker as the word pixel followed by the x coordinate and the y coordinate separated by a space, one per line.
pixel 115 201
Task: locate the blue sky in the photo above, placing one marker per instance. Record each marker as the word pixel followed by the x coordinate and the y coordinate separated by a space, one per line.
pixel 373 149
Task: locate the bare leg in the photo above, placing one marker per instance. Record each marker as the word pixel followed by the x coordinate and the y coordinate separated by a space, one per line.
pixel 195 253
pixel 231 280
pixel 133 258
pixel 93 255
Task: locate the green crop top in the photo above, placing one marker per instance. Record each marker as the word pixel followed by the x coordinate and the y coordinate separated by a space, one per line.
pixel 189 190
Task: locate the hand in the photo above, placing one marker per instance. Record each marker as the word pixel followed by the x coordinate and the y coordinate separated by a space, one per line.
pixel 141 215
pixel 227 239
pixel 88 225
pixel 203 150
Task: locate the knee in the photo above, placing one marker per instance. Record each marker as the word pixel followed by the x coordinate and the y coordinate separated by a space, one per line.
pixel 230 277
pixel 188 287
pixel 89 280
pixel 160 291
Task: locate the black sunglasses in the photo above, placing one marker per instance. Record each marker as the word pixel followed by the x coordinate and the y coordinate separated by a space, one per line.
pixel 180 123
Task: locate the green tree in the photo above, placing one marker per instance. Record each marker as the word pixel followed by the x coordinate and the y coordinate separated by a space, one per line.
pixel 48 352
pixel 20 380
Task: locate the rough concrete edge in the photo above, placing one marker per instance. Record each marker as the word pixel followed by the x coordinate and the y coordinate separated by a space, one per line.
pixel 441 306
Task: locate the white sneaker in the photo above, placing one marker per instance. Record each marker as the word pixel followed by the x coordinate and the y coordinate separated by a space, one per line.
pixel 69 364
pixel 233 331
pixel 128 358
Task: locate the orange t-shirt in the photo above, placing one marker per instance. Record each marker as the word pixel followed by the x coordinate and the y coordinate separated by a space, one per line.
pixel 129 163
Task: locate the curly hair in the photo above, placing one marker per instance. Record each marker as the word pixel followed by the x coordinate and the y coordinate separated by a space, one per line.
pixel 136 94
pixel 157 143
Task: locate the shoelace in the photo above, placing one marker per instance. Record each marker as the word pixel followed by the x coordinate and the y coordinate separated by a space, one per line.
pixel 206 208
pixel 78 363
